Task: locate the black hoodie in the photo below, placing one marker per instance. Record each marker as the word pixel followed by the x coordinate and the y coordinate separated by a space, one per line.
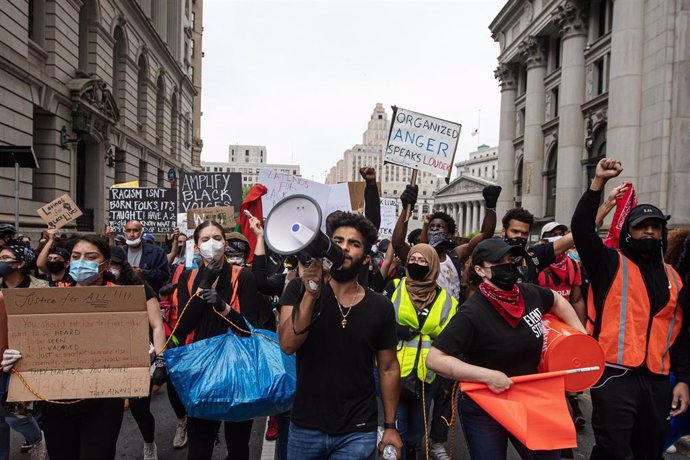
pixel 601 263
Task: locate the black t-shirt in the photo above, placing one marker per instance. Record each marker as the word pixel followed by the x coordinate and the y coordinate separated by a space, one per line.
pixel 479 335
pixel 538 258
pixel 335 381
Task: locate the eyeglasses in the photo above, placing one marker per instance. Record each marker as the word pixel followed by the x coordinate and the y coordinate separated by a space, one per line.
pixel 7 260
pixel 417 260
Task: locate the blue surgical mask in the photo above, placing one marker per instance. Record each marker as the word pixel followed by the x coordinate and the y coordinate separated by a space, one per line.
pixel 83 271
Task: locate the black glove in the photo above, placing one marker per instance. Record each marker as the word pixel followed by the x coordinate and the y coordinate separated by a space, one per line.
pixel 159 372
pixel 212 298
pixel 167 289
pixel 409 196
pixel 491 193
pixel 209 274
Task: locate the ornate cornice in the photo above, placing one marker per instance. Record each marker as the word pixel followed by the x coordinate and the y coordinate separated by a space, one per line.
pixel 507 76
pixel 533 52
pixel 571 18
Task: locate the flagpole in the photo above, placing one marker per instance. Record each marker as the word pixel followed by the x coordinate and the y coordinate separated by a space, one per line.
pixel 473 386
pixel 479 120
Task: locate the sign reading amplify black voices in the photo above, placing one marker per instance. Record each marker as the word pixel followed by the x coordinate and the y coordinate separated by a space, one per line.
pixel 155 208
pixel 209 190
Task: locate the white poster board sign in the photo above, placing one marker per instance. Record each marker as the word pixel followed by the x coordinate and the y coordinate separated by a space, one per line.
pixel 422 142
pixel 339 198
pixel 388 217
pixel 280 185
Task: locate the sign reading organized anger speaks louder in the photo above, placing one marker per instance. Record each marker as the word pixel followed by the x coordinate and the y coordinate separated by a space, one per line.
pixel 422 142
pixel 155 208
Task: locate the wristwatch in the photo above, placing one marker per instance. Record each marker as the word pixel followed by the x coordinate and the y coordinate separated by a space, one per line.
pixel 391 426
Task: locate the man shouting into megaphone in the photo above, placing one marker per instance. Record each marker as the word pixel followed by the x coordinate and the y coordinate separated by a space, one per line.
pixel 337 328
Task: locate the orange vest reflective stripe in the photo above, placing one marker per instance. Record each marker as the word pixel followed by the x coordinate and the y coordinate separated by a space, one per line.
pixel 627 334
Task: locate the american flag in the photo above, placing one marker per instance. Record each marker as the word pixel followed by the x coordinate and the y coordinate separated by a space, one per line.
pixel 475 132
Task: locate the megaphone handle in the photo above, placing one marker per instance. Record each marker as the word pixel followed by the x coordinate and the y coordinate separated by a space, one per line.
pixel 413 182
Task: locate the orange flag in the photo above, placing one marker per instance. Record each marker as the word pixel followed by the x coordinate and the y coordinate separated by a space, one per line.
pixel 533 410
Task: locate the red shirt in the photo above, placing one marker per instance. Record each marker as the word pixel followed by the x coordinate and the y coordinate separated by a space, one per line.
pixel 561 276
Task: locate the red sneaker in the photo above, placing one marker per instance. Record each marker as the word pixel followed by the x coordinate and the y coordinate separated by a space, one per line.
pixel 272 430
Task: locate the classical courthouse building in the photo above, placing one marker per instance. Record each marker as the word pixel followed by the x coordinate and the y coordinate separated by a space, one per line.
pixel 581 80
pixel 104 92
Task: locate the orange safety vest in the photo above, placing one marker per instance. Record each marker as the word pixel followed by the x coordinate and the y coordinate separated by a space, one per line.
pixel 627 333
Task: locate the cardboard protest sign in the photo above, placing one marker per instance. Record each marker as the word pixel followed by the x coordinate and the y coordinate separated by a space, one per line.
pixel 208 190
pixel 388 217
pixel 357 193
pixel 224 215
pixel 155 208
pixel 59 212
pixel 422 142
pixel 280 185
pixel 78 343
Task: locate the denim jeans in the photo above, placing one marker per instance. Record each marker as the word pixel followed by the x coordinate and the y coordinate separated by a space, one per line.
pixel 307 444
pixel 488 440
pixel 26 426
pixel 411 419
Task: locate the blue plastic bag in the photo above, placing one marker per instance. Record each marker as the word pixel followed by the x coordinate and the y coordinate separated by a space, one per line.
pixel 233 378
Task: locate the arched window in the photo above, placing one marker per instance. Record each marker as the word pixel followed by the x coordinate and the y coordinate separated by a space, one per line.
pixel 550 175
pixel 174 122
pixel 160 111
pixel 142 92
pixel 596 152
pixel 518 184
pixel 120 67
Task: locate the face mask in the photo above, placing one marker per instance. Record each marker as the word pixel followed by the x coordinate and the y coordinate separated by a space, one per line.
pixel 553 239
pixel 6 268
pixel 645 246
pixel 55 266
pixel 115 272
pixel 436 237
pixel 347 274
pixel 133 242
pixel 504 276
pixel 211 249
pixel 519 242
pixel 417 272
pixel 84 271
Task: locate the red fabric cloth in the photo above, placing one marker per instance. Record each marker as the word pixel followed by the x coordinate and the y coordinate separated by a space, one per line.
pixel 509 304
pixel 623 207
pixel 252 204
pixel 561 276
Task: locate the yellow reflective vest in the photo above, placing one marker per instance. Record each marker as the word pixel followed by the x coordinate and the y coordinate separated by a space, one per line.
pixel 440 313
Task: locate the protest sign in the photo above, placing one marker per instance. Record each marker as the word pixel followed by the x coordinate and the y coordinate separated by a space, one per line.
pixel 59 212
pixel 224 215
pixel 357 193
pixel 280 185
pixel 81 342
pixel 155 208
pixel 422 142
pixel 338 198
pixel 131 184
pixel 388 217
pixel 208 190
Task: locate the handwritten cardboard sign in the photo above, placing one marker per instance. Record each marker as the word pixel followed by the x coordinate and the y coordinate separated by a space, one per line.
pixel 388 217
pixel 422 142
pixel 79 343
pixel 208 190
pixel 224 215
pixel 155 208
pixel 357 193
pixel 59 212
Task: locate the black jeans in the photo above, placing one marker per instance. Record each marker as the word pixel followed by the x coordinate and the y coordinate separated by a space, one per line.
pixel 86 430
pixel 442 408
pixel 175 402
pixel 141 411
pixel 202 438
pixel 629 415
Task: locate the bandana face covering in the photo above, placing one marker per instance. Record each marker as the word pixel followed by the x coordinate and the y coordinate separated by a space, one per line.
pixel 509 304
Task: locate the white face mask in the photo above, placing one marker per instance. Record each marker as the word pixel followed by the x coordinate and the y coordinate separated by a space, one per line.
pixel 133 242
pixel 115 272
pixel 553 239
pixel 211 249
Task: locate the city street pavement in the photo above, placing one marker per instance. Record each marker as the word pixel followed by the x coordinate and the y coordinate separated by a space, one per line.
pixel 130 444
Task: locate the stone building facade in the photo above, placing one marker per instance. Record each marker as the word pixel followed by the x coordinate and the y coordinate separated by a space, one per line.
pixel 393 178
pixel 583 79
pixel 103 91
pixel 248 159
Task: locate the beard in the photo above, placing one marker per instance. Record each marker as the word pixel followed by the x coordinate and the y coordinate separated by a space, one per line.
pixel 348 274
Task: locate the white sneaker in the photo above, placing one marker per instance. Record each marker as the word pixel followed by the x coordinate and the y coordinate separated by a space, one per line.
pixel 671 449
pixel 150 451
pixel 437 451
pixel 180 439
pixel 39 451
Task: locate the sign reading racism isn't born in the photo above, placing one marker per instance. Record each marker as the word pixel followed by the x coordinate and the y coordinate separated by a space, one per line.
pixel 422 142
pixel 155 208
pixel 208 190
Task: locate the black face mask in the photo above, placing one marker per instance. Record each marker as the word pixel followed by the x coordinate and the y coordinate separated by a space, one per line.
pixel 417 272
pixel 504 276
pixel 55 266
pixel 6 268
pixel 519 242
pixel 347 274
pixel 648 247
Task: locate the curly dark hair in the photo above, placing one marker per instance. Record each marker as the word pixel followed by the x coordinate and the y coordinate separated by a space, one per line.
pixel 519 214
pixel 450 222
pixel 413 236
pixel 676 239
pixel 360 223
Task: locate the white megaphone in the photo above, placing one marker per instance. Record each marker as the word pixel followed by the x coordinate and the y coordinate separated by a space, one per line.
pixel 293 227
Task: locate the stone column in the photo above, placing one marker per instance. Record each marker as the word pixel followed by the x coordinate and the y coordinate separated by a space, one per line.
pixel 507 75
pixel 532 50
pixel 625 85
pixel 571 18
pixel 468 218
pixel 477 221
pixel 482 213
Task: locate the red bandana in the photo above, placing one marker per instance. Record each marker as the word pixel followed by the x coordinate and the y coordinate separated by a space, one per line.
pixel 509 304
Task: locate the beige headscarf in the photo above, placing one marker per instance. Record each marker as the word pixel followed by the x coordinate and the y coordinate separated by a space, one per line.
pixel 422 292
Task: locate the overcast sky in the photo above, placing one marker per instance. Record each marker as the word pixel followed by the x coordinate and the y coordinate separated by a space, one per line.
pixel 302 77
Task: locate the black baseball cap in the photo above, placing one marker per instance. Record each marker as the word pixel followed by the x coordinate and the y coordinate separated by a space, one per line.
pixel 642 212
pixel 493 249
pixel 117 255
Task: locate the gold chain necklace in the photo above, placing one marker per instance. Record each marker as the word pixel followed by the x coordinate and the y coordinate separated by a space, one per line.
pixel 343 323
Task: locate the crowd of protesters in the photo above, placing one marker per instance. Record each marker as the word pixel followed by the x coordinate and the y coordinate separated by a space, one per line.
pixel 395 327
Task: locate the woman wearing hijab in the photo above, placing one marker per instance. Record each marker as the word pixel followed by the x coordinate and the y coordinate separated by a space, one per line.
pixel 422 309
pixel 496 335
